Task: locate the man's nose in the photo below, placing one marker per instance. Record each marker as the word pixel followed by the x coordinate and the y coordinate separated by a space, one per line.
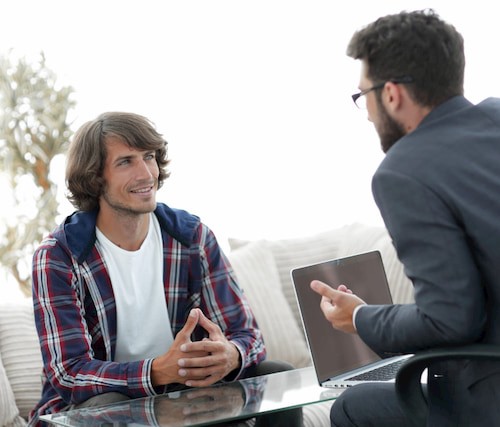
pixel 143 170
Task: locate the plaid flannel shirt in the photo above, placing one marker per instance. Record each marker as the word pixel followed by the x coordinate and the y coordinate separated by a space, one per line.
pixel 75 312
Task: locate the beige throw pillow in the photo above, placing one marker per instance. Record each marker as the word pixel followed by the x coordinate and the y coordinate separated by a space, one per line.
pixel 21 354
pixel 256 272
pixel 8 408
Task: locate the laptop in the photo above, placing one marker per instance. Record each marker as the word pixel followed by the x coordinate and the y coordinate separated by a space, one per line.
pixel 341 359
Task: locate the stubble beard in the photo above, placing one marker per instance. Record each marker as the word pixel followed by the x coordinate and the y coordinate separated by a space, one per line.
pixel 126 210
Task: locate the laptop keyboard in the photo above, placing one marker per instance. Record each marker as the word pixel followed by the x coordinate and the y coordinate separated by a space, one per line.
pixel 383 373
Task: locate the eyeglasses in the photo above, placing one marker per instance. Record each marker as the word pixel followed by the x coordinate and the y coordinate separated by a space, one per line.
pixel 359 98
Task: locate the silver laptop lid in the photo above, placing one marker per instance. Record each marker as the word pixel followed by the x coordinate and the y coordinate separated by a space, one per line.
pixel 334 352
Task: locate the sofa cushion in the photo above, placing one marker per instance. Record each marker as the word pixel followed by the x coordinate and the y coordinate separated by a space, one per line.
pixel 256 272
pixel 21 354
pixel 8 408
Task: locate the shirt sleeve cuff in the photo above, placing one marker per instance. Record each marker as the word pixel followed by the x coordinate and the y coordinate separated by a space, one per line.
pixel 235 375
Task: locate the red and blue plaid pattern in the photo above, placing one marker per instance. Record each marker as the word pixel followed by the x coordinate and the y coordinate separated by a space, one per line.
pixel 75 310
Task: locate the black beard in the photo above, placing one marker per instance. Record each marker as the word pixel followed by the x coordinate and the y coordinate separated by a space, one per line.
pixel 389 130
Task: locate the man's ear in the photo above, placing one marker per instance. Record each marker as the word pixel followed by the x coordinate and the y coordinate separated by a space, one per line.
pixel 392 96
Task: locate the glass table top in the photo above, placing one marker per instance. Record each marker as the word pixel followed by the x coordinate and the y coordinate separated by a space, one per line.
pixel 204 406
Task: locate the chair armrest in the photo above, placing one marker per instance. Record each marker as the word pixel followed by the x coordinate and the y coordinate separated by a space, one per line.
pixel 408 385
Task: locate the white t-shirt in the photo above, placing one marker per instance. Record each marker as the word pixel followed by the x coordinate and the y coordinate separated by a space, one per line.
pixel 144 329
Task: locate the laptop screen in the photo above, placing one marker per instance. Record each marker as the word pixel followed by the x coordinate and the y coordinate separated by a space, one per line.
pixel 335 352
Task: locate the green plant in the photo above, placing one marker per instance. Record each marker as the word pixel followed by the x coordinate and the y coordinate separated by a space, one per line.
pixel 34 129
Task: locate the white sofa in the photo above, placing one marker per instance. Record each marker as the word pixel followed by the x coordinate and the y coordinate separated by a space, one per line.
pixel 263 269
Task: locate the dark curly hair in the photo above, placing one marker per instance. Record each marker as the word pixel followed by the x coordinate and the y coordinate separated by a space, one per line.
pixel 414 44
pixel 87 154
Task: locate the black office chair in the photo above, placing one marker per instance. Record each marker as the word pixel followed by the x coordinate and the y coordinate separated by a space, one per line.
pixel 408 385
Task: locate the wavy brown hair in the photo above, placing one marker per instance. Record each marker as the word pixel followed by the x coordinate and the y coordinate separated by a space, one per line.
pixel 87 154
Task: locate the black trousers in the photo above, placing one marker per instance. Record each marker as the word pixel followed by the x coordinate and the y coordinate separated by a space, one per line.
pixel 368 405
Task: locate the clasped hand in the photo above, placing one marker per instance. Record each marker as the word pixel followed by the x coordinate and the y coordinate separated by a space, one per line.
pixel 196 363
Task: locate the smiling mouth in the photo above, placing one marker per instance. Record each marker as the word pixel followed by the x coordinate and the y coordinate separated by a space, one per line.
pixel 142 190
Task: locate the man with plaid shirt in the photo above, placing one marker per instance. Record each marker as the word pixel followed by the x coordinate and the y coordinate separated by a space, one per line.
pixel 133 298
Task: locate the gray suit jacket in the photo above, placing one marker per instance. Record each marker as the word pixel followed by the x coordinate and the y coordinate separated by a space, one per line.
pixel 438 190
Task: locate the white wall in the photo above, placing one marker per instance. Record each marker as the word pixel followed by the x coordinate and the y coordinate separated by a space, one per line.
pixel 253 96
